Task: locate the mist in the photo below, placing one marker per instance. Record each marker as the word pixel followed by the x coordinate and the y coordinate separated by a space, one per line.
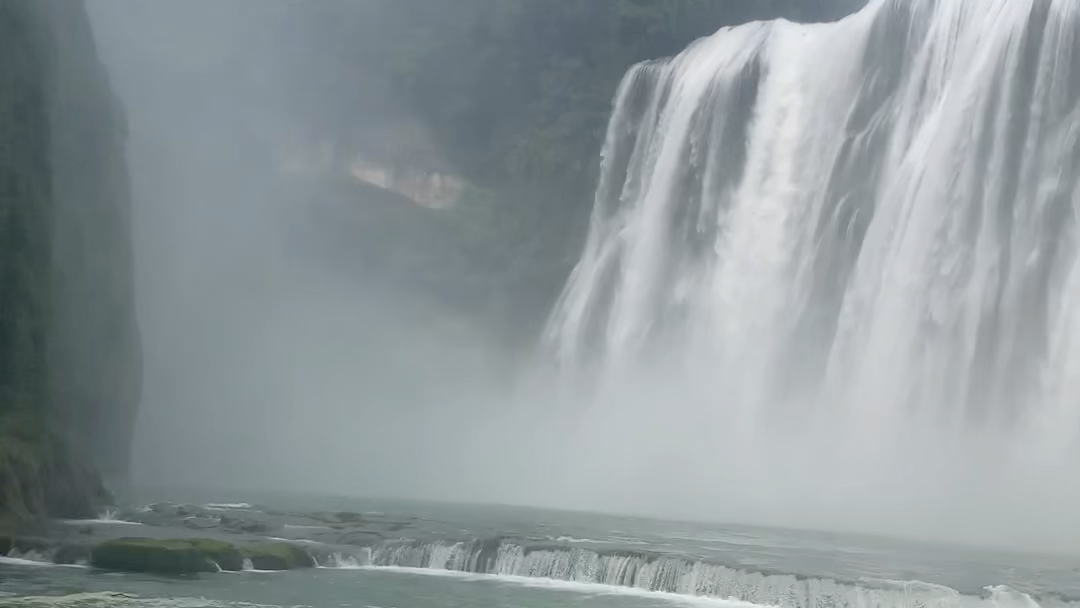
pixel 267 366
pixel 285 349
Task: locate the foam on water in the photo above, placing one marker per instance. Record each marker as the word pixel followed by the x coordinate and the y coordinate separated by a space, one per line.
pixel 248 567
pixel 571 539
pixel 916 592
pixel 32 559
pixel 574 586
pixel 673 575
pixel 21 561
pixel 302 541
pixel 106 517
pixel 109 599
pixel 342 561
pixel 107 522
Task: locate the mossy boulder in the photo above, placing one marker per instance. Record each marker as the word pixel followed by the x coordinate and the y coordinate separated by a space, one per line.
pixel 277 556
pixel 147 555
pixel 175 556
pixel 226 556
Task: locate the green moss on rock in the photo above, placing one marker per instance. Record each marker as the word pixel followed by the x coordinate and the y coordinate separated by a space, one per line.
pixel 226 556
pixel 277 556
pixel 174 556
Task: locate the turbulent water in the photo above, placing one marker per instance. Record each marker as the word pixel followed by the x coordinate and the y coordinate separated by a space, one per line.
pixel 845 254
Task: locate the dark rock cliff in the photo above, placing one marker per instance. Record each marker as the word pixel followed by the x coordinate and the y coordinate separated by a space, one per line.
pixel 69 347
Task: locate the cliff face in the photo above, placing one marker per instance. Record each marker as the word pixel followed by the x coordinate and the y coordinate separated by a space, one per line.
pixel 69 358
pixel 94 347
pixel 513 98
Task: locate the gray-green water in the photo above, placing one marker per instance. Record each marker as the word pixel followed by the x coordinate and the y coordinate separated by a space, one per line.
pixel 421 555
pixel 322 588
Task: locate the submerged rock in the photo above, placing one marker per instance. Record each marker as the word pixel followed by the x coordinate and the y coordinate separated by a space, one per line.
pixel 348 517
pixel 176 556
pixel 248 526
pixel 201 523
pixel 277 556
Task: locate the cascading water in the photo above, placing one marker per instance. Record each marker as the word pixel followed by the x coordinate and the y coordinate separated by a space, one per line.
pixel 834 251
pixel 684 576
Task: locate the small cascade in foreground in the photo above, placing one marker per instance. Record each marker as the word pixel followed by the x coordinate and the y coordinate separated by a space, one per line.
pixel 649 572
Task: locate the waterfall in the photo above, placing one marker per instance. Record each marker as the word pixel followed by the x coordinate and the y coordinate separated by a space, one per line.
pixel 853 242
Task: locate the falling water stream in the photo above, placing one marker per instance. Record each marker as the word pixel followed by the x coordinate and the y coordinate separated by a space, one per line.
pixel 842 258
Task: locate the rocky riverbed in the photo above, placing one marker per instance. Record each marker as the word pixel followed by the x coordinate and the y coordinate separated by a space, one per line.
pixel 182 538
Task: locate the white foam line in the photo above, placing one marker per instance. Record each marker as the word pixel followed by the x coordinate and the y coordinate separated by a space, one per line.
pixel 77 522
pixel 627 540
pixel 296 540
pixel 577 587
pixel 18 561
pixel 344 567
pixel 110 598
pixel 571 539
